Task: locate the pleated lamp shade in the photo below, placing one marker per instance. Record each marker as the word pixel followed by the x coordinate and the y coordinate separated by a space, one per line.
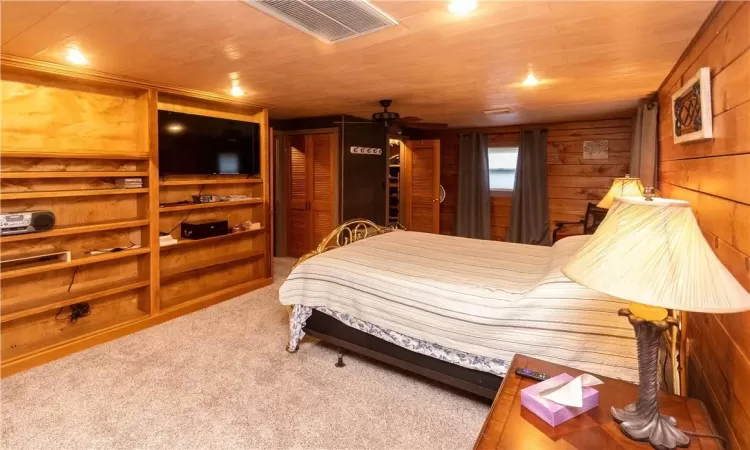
pixel 622 187
pixel 653 253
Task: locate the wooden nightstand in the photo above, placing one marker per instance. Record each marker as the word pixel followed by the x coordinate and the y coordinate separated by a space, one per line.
pixel 512 427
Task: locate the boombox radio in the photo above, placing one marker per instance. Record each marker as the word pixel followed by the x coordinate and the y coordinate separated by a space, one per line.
pixel 26 222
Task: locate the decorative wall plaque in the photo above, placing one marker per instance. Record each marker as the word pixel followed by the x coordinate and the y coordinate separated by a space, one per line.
pixel 691 109
pixel 595 149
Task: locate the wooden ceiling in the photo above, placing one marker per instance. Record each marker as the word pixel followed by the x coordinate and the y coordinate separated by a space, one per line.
pixel 594 58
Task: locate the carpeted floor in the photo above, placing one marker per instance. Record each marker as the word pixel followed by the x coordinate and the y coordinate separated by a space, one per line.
pixel 220 378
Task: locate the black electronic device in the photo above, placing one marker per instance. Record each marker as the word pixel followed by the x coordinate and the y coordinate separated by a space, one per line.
pixel 26 222
pixel 192 144
pixel 204 229
pixel 538 376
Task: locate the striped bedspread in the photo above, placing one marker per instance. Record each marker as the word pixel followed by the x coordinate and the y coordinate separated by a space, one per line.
pixel 488 298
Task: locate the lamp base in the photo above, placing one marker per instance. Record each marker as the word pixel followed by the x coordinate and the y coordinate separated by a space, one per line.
pixel 641 420
pixel 660 430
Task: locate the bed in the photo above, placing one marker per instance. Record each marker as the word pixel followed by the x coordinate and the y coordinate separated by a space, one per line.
pixel 455 309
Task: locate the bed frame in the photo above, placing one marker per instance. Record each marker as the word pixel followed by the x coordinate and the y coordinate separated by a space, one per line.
pixel 329 329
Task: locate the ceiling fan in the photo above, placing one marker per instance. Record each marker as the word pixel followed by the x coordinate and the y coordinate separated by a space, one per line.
pixel 390 118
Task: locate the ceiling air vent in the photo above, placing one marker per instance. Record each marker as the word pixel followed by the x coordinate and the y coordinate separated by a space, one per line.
pixel 328 20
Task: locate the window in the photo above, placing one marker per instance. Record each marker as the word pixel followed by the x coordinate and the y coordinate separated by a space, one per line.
pixel 502 163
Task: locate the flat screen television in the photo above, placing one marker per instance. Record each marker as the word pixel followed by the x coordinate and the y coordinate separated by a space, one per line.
pixel 197 145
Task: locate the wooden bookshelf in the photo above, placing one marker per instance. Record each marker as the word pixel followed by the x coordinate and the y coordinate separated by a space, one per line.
pixel 75 262
pixel 197 182
pixel 88 153
pixel 24 308
pixel 198 265
pixel 116 136
pixel 182 243
pixel 58 174
pixel 76 229
pixel 192 206
pixel 75 193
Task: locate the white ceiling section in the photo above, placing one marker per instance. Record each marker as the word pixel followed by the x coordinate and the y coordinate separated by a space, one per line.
pixel 595 59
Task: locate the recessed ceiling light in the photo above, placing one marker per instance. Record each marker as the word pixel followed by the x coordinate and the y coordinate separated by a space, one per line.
pixel 175 127
pixel 530 80
pixel 505 110
pixel 462 7
pixel 76 57
pixel 237 91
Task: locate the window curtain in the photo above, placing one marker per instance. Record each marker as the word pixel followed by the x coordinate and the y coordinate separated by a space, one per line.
pixel 529 213
pixel 643 150
pixel 473 207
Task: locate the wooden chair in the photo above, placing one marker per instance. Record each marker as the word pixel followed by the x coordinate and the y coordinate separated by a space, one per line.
pixel 592 219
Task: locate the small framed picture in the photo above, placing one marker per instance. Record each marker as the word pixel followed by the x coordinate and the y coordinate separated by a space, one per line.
pixel 691 109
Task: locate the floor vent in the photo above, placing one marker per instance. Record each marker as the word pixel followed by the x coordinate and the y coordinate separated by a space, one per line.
pixel 328 20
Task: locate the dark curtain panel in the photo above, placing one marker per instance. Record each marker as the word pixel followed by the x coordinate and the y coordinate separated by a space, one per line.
pixel 529 214
pixel 473 208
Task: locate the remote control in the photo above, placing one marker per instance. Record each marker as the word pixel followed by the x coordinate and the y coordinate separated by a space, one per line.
pixel 538 376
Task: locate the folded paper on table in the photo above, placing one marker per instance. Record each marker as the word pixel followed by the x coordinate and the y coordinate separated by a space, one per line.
pixel 562 397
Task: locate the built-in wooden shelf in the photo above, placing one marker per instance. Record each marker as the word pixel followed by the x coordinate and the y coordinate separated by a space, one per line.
pixel 64 174
pixel 84 328
pixel 74 193
pixel 80 261
pixel 191 206
pixel 394 165
pixel 189 242
pixel 69 154
pixel 172 272
pixel 189 300
pixel 216 181
pixel 16 309
pixel 76 229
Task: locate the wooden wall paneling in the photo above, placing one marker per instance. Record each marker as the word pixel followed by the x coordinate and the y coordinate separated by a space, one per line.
pixel 572 181
pixel 500 217
pixel 712 176
pixel 55 117
pixel 423 185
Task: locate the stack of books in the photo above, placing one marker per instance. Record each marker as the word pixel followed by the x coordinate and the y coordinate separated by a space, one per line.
pixel 166 240
pixel 129 183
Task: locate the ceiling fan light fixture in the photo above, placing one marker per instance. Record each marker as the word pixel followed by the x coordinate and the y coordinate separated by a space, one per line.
pixel 462 7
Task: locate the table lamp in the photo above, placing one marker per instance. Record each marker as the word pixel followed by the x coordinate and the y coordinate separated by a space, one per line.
pixel 651 252
pixel 622 187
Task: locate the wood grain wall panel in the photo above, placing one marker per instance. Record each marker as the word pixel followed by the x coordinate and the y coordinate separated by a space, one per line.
pixel 46 115
pixel 713 176
pixel 572 181
pixel 500 217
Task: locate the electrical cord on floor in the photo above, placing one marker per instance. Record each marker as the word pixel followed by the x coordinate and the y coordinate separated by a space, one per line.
pixel 710 436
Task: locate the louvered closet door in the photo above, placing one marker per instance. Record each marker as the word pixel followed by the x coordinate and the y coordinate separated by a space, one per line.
pixel 297 227
pixel 321 185
pixel 421 183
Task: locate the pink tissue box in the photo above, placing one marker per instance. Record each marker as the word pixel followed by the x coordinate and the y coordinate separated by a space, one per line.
pixel 551 412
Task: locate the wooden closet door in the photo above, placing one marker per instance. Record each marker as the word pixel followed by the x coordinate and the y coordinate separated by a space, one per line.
pixel 421 185
pixel 298 235
pixel 320 185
